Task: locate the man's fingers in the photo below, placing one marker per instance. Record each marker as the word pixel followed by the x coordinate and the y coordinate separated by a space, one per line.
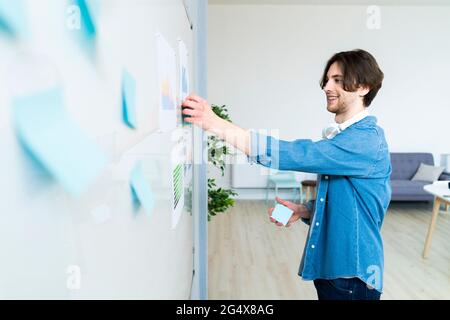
pixel 283 202
pixel 191 112
pixel 279 200
pixel 274 221
pixel 191 104
pixel 190 120
pixel 195 98
pixel 279 224
pixel 270 215
pixel 286 203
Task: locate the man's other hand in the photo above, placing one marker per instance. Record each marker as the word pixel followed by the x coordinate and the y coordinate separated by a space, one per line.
pixel 300 211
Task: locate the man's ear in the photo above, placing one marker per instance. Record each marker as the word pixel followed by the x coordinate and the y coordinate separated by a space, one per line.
pixel 363 90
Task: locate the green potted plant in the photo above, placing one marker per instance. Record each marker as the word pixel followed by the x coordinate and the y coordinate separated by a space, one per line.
pixel 219 199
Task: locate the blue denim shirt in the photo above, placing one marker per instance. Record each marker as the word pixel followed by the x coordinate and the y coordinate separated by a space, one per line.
pixel 353 195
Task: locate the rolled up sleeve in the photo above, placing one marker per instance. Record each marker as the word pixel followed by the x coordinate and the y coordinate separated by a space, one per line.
pixel 339 156
pixel 258 149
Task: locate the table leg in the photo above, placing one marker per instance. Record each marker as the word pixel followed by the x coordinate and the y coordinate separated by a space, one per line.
pixel 436 206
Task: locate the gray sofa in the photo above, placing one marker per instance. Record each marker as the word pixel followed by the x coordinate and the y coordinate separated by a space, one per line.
pixel 404 167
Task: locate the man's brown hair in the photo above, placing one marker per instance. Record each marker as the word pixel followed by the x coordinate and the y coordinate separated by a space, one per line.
pixel 359 68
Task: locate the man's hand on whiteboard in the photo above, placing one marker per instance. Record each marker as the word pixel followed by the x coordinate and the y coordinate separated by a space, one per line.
pixel 198 111
pixel 300 211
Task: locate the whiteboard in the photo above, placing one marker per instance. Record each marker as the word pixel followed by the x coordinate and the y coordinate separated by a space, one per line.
pixel 98 245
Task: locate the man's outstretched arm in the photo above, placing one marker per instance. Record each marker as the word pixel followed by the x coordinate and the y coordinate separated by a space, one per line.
pixel 344 156
pixel 199 112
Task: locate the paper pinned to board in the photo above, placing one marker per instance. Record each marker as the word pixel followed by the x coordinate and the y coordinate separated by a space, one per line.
pixel 184 78
pixel 166 66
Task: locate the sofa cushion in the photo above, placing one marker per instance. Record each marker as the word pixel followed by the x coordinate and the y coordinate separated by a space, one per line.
pixel 405 165
pixel 408 187
pixel 428 173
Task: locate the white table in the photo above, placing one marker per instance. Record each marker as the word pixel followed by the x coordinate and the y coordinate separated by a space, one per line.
pixel 441 194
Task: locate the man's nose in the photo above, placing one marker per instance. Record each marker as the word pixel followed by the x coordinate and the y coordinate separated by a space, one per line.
pixel 328 86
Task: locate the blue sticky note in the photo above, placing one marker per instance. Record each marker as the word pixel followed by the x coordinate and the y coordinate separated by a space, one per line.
pixel 141 189
pixel 88 12
pixel 129 100
pixel 282 214
pixel 12 18
pixel 86 32
pixel 56 142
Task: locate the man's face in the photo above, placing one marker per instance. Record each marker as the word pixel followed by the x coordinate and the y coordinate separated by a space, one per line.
pixel 338 100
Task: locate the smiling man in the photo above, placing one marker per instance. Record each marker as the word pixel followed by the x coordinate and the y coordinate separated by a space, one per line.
pixel 344 249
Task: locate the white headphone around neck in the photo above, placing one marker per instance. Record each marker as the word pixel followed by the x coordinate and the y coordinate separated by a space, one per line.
pixel 333 129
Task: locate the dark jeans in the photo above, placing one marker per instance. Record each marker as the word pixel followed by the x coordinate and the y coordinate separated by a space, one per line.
pixel 345 289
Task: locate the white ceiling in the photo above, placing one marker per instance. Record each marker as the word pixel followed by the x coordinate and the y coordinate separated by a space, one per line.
pixel 336 2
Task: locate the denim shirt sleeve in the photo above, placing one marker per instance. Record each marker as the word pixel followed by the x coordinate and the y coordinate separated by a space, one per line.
pixel 343 155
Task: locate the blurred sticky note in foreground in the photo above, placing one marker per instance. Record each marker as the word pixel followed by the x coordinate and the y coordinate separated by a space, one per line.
pixel 129 99
pixel 282 214
pixel 45 130
pixel 88 13
pixel 82 22
pixel 12 17
pixel 141 188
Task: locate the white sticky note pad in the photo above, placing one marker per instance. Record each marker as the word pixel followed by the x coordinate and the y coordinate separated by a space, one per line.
pixel 282 214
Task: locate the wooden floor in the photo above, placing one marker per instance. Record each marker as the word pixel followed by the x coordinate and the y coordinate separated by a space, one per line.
pixel 250 258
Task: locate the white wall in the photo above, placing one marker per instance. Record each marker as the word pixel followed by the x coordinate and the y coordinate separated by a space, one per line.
pixel 265 63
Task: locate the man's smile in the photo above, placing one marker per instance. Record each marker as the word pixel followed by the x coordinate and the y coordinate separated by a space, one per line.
pixel 331 98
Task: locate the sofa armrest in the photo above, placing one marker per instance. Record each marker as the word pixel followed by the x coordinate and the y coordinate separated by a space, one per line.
pixel 445 176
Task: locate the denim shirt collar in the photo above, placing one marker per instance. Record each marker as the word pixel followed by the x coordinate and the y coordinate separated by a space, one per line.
pixel 355 119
